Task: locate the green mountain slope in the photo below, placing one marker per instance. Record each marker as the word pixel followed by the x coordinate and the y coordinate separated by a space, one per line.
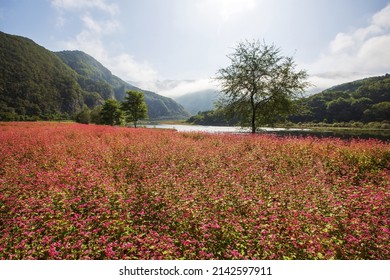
pixel 36 83
pixel 363 100
pixel 93 76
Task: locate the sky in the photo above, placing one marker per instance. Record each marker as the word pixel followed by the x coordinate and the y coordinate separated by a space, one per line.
pixel 175 47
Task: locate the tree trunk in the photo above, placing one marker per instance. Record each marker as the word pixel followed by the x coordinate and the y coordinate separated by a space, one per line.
pixel 253 121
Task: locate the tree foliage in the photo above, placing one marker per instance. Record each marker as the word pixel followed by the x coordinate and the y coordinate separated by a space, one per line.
pixel 362 100
pixel 84 116
pixel 212 117
pixel 111 113
pixel 260 84
pixel 134 106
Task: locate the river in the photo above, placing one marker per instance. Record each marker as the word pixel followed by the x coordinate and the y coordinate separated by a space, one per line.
pixel 341 133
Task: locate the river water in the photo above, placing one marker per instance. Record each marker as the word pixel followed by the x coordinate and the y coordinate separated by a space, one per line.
pixel 344 134
pixel 217 129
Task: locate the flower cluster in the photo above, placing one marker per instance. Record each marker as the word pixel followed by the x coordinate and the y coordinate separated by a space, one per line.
pixel 72 191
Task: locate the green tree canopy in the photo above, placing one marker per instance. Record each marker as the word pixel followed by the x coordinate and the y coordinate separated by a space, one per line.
pixel 111 113
pixel 84 116
pixel 378 112
pixel 260 83
pixel 134 106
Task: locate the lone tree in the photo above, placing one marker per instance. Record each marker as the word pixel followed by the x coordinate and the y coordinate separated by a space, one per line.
pixel 260 84
pixel 135 107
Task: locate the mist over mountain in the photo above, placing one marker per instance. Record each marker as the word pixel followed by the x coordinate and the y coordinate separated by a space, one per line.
pixel 198 101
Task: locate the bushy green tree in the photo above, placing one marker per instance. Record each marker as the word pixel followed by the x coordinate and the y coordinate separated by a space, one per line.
pixel 339 110
pixel 134 106
pixel 260 83
pixel 84 116
pixel 378 112
pixel 96 115
pixel 111 113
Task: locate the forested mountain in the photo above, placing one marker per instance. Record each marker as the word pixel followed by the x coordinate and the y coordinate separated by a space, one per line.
pixel 94 77
pixel 198 101
pixel 36 83
pixel 364 100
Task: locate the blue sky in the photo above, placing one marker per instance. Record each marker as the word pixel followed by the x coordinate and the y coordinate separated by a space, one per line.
pixel 175 46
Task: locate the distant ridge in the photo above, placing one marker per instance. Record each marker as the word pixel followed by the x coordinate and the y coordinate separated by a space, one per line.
pixel 198 101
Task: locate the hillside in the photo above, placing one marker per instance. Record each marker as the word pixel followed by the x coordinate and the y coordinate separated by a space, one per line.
pixel 198 101
pixel 36 83
pixel 94 76
pixel 363 100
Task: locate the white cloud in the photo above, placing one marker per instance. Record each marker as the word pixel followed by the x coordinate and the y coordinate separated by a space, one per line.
pixel 184 87
pixel 374 53
pixel 126 67
pixel 88 42
pixel 357 54
pixel 100 27
pixel 91 40
pixel 86 4
pixel 341 43
pixel 382 18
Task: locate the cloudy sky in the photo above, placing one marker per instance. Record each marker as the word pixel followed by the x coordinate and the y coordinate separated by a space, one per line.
pixel 175 46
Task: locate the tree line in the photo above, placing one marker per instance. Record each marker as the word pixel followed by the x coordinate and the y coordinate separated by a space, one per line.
pixel 365 101
pixel 113 112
